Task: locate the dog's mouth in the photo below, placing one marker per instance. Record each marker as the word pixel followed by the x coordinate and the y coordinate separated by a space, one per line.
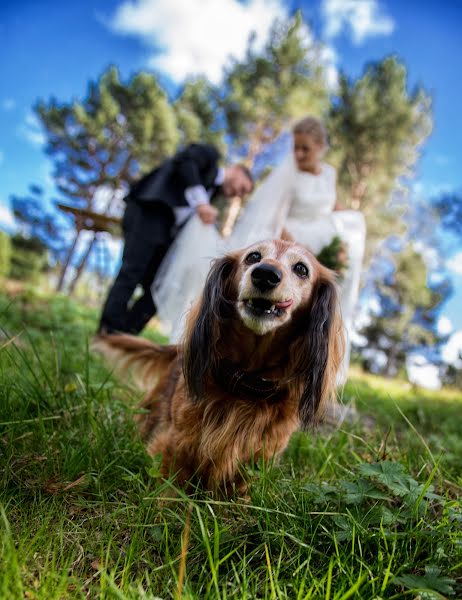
pixel 262 307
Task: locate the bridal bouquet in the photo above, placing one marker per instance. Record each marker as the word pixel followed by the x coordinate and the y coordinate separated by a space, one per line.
pixel 334 256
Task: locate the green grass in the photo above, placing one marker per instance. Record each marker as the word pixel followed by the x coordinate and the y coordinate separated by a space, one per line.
pixel 367 511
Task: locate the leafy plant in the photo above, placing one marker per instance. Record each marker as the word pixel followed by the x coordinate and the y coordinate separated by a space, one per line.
pixel 333 256
pixel 431 581
pixel 5 254
pixel 29 258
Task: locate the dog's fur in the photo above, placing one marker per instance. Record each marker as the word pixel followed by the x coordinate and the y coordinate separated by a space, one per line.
pixel 240 383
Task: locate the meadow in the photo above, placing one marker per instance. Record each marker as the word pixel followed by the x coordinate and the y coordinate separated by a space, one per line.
pixel 368 510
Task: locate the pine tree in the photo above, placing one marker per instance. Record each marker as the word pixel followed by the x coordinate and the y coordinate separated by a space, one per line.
pixel 265 91
pixel 408 310
pixel 5 254
pixel 117 132
pixel 198 113
pixel 452 375
pixel 376 130
pixel 29 258
pixel 38 221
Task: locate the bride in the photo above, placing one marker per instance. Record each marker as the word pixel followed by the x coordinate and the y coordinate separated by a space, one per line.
pixel 298 201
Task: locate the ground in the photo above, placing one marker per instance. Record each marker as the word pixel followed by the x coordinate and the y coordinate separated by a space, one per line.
pixel 368 510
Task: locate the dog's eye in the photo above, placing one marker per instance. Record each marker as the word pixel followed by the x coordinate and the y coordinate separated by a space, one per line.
pixel 252 258
pixel 301 270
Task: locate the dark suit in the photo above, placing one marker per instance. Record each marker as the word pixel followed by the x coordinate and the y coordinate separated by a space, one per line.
pixel 149 229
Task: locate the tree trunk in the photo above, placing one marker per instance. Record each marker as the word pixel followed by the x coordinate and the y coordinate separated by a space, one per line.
pixel 67 261
pixel 81 266
pixel 391 367
pixel 357 194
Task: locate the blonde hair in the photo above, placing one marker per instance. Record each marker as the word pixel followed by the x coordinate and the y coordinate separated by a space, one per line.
pixel 313 127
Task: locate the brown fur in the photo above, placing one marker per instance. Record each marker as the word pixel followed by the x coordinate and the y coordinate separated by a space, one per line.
pixel 202 427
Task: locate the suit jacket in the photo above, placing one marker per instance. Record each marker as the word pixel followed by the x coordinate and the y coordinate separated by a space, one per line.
pixel 197 164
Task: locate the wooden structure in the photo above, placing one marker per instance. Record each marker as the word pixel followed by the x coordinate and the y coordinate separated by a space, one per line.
pixel 88 220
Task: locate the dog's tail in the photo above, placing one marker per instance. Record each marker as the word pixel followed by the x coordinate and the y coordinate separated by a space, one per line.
pixel 146 360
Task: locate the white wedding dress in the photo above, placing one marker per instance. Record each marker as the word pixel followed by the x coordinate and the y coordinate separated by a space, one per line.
pixel 300 202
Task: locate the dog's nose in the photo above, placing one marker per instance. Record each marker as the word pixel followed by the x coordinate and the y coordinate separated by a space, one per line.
pixel 266 277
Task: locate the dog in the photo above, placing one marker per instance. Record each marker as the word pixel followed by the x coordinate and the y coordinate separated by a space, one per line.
pixel 258 361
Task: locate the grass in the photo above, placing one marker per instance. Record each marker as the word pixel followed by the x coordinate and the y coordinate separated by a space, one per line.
pixel 367 511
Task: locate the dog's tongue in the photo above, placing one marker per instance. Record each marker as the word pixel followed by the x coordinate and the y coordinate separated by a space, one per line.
pixel 284 304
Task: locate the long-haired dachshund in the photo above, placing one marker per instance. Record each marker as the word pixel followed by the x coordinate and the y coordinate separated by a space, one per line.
pixel 259 360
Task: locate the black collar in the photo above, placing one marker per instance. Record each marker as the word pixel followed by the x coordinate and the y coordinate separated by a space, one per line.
pixel 244 383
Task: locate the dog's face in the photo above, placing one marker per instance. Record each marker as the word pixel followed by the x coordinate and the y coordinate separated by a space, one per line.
pixel 274 279
pixel 269 285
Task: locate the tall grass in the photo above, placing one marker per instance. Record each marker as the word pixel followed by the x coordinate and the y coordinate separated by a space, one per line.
pixel 370 510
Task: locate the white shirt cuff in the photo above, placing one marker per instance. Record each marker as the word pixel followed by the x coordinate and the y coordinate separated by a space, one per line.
pixel 219 179
pixel 196 195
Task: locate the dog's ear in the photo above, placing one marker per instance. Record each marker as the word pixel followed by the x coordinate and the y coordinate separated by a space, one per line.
pixel 203 327
pixel 320 350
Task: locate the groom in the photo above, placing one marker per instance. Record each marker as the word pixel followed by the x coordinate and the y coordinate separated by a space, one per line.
pixel 157 207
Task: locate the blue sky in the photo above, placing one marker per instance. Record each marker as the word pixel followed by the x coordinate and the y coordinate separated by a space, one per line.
pixel 53 48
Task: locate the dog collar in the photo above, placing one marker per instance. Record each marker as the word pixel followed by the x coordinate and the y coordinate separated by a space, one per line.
pixel 245 383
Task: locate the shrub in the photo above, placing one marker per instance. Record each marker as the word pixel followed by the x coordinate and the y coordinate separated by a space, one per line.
pixel 5 254
pixel 29 258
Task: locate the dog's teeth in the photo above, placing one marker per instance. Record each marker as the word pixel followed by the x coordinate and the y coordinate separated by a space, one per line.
pixel 271 310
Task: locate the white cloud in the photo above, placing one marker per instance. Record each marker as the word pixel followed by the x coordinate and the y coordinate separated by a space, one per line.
pixel 357 339
pixel 364 18
pixel 8 104
pixel 32 131
pixel 192 37
pixel 427 189
pixel 377 358
pixel 423 373
pixel 454 263
pixel 417 188
pixel 6 218
pixel 452 350
pixel 374 306
pixel 328 58
pixel 444 326
pixel 429 254
pixel 436 278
